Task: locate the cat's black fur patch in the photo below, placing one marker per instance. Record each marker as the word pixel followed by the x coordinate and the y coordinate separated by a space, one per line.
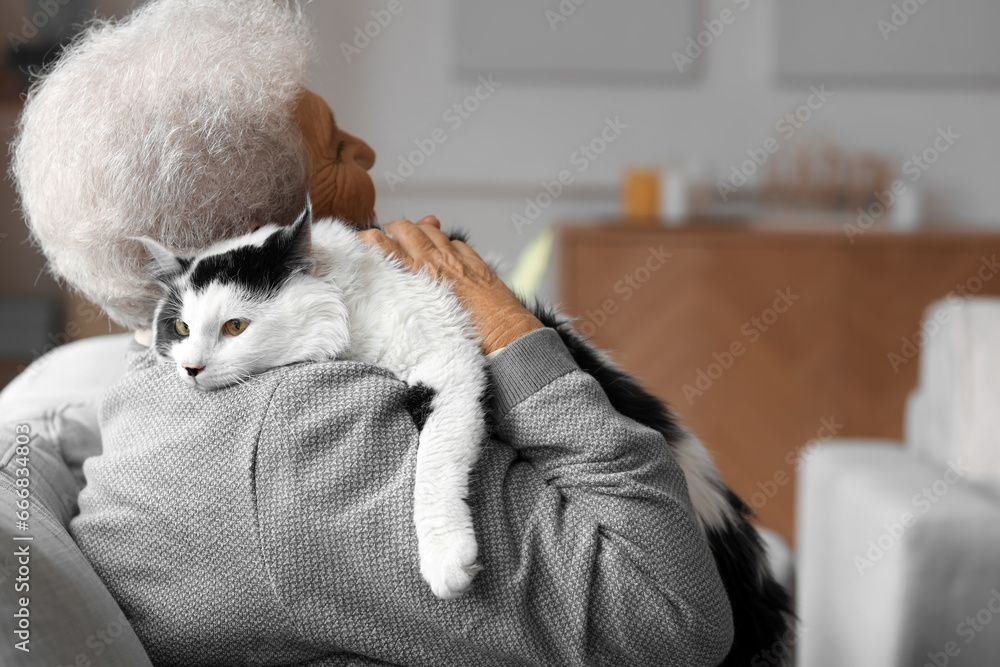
pixel 259 270
pixel 762 608
pixel 418 404
pixel 625 394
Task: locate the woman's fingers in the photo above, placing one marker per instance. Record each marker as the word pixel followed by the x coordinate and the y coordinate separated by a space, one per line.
pixel 424 245
pixel 412 238
pixel 497 314
pixel 388 246
pixel 430 226
pixel 437 237
pixel 466 252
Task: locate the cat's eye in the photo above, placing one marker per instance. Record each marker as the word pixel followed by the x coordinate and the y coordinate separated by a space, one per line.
pixel 235 327
pixel 182 327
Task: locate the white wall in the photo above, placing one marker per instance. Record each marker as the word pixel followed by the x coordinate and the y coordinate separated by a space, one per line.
pixel 398 87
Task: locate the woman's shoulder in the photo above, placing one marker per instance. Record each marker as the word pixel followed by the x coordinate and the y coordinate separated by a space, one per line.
pixel 327 386
pixel 151 379
pixel 351 411
pixel 152 418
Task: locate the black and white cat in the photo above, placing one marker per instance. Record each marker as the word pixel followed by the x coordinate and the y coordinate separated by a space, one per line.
pixel 325 294
pixel 345 300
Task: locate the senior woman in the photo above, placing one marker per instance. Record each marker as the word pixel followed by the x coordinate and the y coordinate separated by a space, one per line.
pixel 270 523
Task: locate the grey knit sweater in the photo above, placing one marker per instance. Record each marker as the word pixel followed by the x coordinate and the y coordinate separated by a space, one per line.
pixel 271 524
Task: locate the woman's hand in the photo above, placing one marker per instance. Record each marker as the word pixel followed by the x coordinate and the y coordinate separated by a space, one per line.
pixel 499 317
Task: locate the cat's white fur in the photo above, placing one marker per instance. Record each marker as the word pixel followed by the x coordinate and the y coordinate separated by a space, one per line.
pixel 355 304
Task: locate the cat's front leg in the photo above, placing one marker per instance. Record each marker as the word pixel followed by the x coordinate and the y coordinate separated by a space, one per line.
pixel 447 542
pixel 448 448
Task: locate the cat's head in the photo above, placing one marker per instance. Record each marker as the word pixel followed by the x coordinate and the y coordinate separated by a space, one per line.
pixel 216 318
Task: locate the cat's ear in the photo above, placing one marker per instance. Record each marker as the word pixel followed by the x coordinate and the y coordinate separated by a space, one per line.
pixel 165 262
pixel 306 216
pixel 299 239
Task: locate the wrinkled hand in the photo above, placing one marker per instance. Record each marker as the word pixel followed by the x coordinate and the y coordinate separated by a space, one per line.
pixel 499 317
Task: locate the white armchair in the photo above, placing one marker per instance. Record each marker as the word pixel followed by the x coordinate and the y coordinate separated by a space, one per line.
pixel 899 545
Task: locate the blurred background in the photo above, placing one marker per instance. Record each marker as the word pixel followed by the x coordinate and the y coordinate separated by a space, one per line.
pixel 779 214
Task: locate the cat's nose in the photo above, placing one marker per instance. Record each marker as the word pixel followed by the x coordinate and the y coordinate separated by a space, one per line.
pixel 192 370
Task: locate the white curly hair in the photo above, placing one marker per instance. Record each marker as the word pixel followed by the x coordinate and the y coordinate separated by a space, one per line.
pixel 176 123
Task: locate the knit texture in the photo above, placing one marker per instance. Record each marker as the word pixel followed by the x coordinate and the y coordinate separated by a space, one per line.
pixel 271 523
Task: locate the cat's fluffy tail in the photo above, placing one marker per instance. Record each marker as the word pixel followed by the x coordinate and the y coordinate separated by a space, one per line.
pixel 762 607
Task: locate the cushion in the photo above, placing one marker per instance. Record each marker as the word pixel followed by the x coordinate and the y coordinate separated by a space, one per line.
pixel 75 373
pixel 952 415
pixel 893 553
pixel 64 613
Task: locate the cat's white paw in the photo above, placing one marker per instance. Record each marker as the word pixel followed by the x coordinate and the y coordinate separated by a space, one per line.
pixel 448 562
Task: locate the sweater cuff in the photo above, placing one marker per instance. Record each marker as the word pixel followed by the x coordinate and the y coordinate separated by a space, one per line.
pixel 525 366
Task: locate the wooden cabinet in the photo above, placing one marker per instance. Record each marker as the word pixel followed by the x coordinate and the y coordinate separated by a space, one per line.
pixel 763 341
